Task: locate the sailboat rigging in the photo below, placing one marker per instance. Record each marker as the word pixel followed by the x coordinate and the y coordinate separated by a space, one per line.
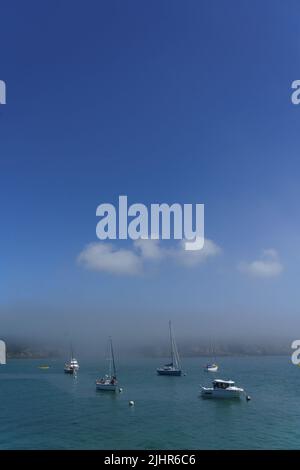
pixel 212 366
pixel 109 382
pixel 173 368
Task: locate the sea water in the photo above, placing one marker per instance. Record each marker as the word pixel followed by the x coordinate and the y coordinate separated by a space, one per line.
pixel 47 409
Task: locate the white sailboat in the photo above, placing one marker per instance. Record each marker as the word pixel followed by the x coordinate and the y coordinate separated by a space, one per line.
pixel 212 366
pixel 72 366
pixel 173 368
pixel 109 382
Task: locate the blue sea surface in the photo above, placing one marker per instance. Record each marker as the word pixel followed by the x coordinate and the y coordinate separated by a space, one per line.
pixel 46 409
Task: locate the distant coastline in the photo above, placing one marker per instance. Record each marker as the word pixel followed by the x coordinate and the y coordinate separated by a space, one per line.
pixel 222 349
pixel 26 352
pixel 15 352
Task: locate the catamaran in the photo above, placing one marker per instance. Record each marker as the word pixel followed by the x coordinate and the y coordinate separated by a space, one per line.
pixel 72 366
pixel 109 381
pixel 173 368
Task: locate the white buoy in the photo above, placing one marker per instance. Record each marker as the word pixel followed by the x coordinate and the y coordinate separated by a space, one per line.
pixel 120 390
pixel 131 403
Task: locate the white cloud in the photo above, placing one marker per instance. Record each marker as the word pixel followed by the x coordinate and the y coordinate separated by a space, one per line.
pixel 105 257
pixel 194 258
pixel 268 265
pixel 149 249
pixel 100 256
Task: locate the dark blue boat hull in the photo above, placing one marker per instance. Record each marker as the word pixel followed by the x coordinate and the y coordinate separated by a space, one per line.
pixel 176 373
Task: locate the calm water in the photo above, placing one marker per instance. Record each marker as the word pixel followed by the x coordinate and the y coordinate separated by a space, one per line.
pixel 50 410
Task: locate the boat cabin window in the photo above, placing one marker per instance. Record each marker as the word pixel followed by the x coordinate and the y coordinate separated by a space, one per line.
pixel 222 385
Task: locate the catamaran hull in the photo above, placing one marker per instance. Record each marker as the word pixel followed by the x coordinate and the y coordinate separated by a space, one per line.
pixel 176 373
pixel 219 393
pixel 107 388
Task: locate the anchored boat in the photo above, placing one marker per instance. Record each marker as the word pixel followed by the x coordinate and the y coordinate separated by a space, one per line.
pixel 173 368
pixel 72 366
pixel 109 381
pixel 222 389
pixel 211 367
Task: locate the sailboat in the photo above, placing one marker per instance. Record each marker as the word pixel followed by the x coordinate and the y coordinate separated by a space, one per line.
pixel 212 366
pixel 173 368
pixel 72 366
pixel 109 381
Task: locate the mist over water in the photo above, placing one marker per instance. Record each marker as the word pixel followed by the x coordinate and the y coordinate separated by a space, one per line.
pixel 137 333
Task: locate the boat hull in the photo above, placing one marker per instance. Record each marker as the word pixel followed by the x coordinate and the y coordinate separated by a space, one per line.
pixel 107 387
pixel 220 393
pixel 212 369
pixel 71 370
pixel 174 373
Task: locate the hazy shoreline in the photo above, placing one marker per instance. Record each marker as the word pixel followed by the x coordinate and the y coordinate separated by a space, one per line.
pixel 51 355
pixel 28 349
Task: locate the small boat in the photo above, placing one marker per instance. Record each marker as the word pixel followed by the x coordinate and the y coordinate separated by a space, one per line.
pixel 211 367
pixel 222 389
pixel 44 367
pixel 72 366
pixel 173 368
pixel 109 382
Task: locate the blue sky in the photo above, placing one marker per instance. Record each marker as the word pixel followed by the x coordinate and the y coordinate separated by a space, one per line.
pixel 165 102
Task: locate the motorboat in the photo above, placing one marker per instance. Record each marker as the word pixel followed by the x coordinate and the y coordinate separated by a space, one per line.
pixel 222 389
pixel 72 366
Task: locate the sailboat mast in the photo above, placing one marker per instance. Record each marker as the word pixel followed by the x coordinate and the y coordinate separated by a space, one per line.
pixel 113 358
pixel 213 351
pixel 175 355
pixel 171 342
pixel 109 357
